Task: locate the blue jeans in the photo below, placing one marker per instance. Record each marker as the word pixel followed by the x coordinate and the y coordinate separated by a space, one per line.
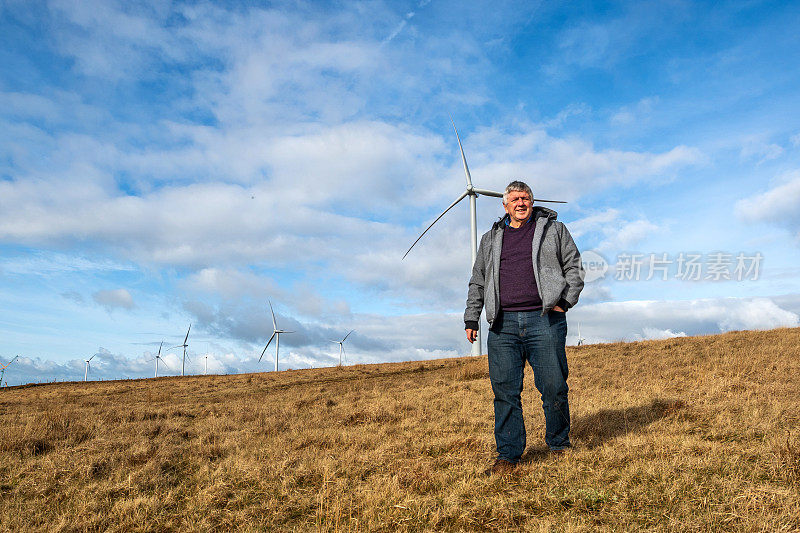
pixel 514 338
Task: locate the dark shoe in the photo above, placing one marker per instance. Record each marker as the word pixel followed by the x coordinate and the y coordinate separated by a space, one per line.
pixel 502 467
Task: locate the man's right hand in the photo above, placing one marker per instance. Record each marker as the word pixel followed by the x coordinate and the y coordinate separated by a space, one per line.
pixel 472 334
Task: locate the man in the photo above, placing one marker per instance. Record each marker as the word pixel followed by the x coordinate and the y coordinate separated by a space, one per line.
pixel 527 275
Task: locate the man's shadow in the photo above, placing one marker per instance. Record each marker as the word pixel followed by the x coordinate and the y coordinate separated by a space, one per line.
pixel 593 430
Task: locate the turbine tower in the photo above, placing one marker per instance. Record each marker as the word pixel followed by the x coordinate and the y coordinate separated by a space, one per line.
pixel 276 334
pixel 341 346
pixel 580 339
pixel 3 369
pixel 86 373
pixel 184 346
pixel 473 194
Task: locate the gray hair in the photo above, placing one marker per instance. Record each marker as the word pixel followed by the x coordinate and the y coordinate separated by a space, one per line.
pixel 516 186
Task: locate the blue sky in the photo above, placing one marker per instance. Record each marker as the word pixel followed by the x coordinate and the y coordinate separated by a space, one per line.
pixel 163 164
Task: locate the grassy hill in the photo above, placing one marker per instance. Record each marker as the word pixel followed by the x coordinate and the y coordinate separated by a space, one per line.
pixel 695 433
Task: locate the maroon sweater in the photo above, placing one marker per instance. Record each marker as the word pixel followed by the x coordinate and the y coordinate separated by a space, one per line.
pixel 518 290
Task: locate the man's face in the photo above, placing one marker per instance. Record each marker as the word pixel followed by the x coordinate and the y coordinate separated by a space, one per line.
pixel 519 207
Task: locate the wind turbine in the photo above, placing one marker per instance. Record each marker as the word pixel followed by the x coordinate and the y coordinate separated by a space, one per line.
pixel 184 346
pixel 205 369
pixel 276 334
pixel 473 194
pixel 158 358
pixel 341 346
pixel 86 373
pixel 580 339
pixel 3 369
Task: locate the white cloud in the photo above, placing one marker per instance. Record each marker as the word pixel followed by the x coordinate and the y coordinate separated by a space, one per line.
pixel 779 205
pixel 48 263
pixel 565 167
pixel 657 334
pixel 637 320
pixel 616 232
pixel 623 117
pixel 754 148
pixel 105 365
pixel 594 222
pixel 114 298
pixel 229 283
pixel 367 171
pixel 630 114
pixel 629 235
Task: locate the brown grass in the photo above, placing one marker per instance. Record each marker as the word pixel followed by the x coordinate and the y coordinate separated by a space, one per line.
pixel 691 434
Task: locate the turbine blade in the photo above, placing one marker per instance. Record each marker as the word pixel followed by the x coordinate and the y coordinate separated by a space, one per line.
pixel 463 158
pixel 281 331
pixel 463 195
pixel 187 334
pixel 267 346
pixel 274 324
pixel 550 201
pixel 159 348
pixel 92 357
pixel 345 337
pixel 488 193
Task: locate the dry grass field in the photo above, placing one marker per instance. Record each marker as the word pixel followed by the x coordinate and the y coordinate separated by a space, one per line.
pixel 687 434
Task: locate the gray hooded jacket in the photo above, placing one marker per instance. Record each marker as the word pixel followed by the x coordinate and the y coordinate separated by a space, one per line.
pixel 556 267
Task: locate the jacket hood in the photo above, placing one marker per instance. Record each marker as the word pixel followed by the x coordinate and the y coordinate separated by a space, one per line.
pixel 538 212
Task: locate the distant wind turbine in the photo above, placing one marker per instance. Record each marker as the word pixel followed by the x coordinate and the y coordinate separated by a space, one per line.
pixel 158 358
pixel 276 334
pixel 3 368
pixel 341 346
pixel 205 369
pixel 86 373
pixel 580 339
pixel 184 346
pixel 473 194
